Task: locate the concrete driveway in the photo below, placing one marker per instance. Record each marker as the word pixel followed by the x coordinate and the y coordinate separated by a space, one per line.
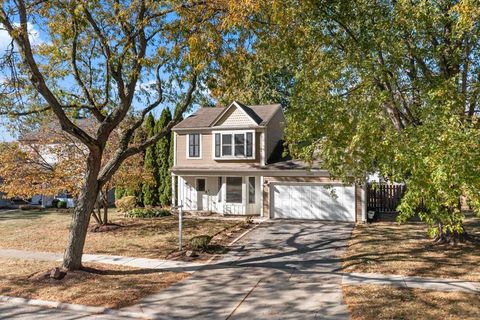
pixel 283 269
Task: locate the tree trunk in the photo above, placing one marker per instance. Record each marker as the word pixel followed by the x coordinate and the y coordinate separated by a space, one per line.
pixel 453 238
pixel 72 258
pixel 105 207
pixel 96 217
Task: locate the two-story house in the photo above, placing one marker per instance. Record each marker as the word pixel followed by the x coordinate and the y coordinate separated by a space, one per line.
pixel 229 160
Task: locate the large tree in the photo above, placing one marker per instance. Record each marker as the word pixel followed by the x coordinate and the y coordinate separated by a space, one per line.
pixel 388 85
pixel 108 60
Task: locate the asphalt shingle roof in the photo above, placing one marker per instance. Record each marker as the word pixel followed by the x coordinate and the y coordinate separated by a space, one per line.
pixel 205 117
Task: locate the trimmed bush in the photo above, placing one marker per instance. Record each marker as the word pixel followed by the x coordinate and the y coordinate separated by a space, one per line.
pixel 119 193
pixel 126 204
pixel 62 204
pixel 55 203
pixel 200 242
pixel 147 213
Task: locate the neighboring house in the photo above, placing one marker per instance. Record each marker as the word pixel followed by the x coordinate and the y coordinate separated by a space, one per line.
pixel 49 142
pixel 229 160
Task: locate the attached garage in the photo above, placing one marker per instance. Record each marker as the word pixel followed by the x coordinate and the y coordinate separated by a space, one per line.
pixel 314 201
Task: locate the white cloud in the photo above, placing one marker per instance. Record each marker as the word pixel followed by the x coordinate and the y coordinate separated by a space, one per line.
pixel 33 33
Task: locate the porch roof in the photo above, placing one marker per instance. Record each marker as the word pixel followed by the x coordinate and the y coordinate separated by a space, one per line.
pixel 286 168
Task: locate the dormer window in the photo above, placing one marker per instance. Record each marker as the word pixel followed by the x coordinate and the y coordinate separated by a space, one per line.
pixel 194 145
pixel 234 145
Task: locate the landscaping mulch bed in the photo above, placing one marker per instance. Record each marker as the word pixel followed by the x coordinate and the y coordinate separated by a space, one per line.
pixel 218 244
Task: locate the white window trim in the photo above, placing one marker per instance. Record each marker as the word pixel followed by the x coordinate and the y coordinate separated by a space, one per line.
pixel 200 137
pixel 233 132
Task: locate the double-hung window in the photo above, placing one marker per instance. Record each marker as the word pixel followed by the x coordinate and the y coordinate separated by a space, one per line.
pixel 227 144
pixel 239 144
pixel 235 145
pixel 194 145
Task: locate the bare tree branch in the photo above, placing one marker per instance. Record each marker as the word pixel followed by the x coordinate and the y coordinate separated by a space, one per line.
pixel 124 151
pixel 20 35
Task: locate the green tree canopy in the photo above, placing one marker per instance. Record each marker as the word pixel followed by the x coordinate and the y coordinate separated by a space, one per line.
pixel 149 188
pixel 389 86
pixel 163 161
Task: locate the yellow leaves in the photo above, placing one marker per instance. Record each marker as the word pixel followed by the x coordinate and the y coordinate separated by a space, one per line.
pixel 468 12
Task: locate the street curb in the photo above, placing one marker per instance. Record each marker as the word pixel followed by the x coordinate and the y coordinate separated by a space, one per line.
pixel 73 307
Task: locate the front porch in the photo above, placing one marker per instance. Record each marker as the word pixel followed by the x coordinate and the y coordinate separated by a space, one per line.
pixel 225 194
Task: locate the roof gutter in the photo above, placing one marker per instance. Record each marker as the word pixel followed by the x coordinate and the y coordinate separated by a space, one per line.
pixel 217 128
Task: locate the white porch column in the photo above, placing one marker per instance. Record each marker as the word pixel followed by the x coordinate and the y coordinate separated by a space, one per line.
pixel 261 195
pixel 263 138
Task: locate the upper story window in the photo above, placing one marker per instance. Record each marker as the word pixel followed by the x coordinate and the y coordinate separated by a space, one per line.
pixel 234 145
pixel 194 145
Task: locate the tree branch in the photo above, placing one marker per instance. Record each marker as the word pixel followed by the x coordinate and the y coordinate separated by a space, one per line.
pixel 123 152
pixel 20 35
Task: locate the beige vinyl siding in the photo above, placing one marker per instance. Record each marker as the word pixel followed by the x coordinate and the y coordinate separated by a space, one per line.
pixel 274 132
pixel 206 159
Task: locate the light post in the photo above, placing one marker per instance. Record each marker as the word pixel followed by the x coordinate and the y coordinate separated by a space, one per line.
pixel 180 225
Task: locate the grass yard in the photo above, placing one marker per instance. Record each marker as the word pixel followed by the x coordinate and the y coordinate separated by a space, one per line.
pixel 114 287
pixel 151 238
pixel 387 302
pixel 405 249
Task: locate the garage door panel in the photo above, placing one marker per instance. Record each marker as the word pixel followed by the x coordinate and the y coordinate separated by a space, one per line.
pixel 304 204
pixel 314 201
pixel 281 196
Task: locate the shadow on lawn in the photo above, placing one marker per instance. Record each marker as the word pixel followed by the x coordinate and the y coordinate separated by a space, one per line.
pixel 406 249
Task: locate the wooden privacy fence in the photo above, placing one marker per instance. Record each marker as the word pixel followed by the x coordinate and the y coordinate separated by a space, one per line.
pixel 384 198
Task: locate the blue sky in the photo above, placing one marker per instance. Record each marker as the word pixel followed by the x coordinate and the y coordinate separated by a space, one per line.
pixel 4 134
pixel 39 36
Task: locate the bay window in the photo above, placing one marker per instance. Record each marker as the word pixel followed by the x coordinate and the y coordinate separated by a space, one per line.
pixel 234 145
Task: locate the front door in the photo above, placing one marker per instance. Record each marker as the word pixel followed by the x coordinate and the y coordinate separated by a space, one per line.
pixel 200 187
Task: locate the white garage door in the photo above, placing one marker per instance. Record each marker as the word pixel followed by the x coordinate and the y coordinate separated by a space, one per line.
pixel 313 201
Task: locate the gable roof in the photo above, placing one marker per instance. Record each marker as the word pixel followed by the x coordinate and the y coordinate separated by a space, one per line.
pixel 208 117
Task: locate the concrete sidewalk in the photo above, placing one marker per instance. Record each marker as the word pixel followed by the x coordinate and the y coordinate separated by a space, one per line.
pixel 438 284
pixel 144 263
